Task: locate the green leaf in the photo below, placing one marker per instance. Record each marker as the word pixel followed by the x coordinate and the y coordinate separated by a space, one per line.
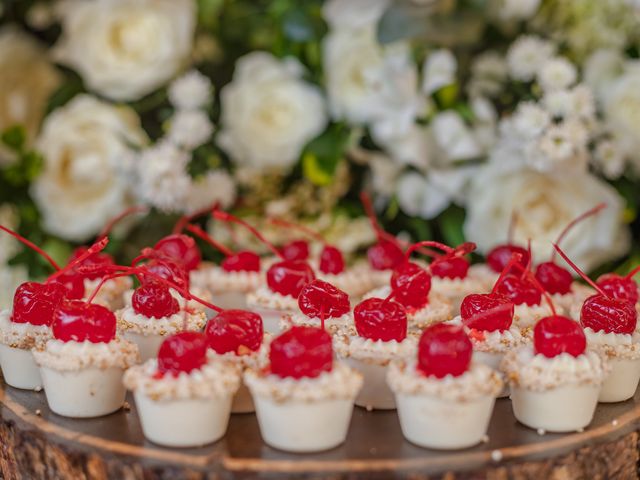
pixel 14 137
pixel 297 26
pixel 446 96
pixel 25 170
pixel 313 170
pixel 323 154
pixel 450 222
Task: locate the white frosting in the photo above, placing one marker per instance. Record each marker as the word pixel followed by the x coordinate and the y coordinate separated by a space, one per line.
pixel 342 382
pixel 497 341
pixel 214 278
pixel 482 270
pixel 215 379
pixel 373 351
pixel 333 325
pixel 528 316
pixel 574 299
pixel 129 320
pixel 526 369
pixel 477 382
pixel 110 294
pixel 251 359
pixel 460 287
pixel 22 335
pixel 355 281
pixel 75 356
pixel 614 345
pixel 266 298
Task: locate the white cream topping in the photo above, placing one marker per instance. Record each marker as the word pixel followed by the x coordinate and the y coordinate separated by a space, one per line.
pixel 575 298
pixel 111 293
pixel 482 270
pixel 257 359
pixel 477 382
pixel 333 325
pixel 212 277
pixel 266 298
pixel 526 369
pixel 614 345
pixel 215 379
pixel 22 335
pixel 355 281
pixel 342 382
pixel 129 320
pixel 74 356
pixel 528 316
pixel 460 287
pixel 497 341
pixel 374 351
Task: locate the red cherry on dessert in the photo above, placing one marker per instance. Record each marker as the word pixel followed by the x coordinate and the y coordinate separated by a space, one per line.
pixel 553 278
pixel 487 311
pixel 35 303
pixel 451 267
pixel 557 334
pixel 244 261
pixel 182 352
pixel 444 350
pixel 498 258
pixel 619 287
pixel 611 315
pixel 411 284
pixel 385 255
pixel 181 248
pixel 288 277
pixel 331 260
pixel 154 300
pixel 73 283
pixel 519 290
pixel 379 319
pixel 78 321
pixel 169 269
pixel 98 258
pixel 301 352
pixel 319 298
pixel 295 250
pixel 233 330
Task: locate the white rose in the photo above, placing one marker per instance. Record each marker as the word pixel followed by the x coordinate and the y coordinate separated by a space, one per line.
pixel 189 128
pixel 439 70
pixel 268 112
pixel 213 187
pixel 556 74
pixel 124 49
pixel 601 68
pixel 190 91
pixel 85 182
pixel 26 82
pixel 545 205
pixel 527 55
pixel 454 138
pixel 609 159
pixel 353 14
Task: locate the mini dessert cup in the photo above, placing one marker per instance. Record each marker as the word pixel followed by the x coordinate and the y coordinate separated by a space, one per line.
pixel 84 379
pixel 572 302
pixel 371 358
pixel 355 280
pixel 149 333
pixel 188 410
pixel 444 413
pixel 306 414
pixel 271 306
pixel 527 316
pixel 111 293
pixel 19 368
pixel 623 356
pixel 557 394
pixel 333 325
pixel 455 289
pixel 227 289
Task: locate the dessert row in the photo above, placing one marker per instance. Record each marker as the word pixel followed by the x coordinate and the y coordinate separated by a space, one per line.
pixel 301 337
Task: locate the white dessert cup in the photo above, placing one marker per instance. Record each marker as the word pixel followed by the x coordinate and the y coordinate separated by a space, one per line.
pixel 19 368
pixel 565 408
pixel 230 300
pixel 443 424
pixel 242 400
pixel 148 345
pixel 183 422
pixel 271 318
pixel 492 360
pixel 375 393
pixel 621 383
pixel 303 427
pixel 90 392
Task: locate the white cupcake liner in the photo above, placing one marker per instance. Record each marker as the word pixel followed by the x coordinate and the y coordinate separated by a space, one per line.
pixel 492 360
pixel 91 392
pixel 271 318
pixel 436 423
pixel 242 400
pixel 621 383
pixel 185 422
pixel 563 409
pixel 19 368
pixel 303 426
pixel 148 345
pixel 375 393
pixel 230 300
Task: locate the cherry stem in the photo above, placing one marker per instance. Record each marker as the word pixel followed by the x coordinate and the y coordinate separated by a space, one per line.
pixel 322 316
pixel 31 245
pixel 574 222
pixel 125 213
pixel 428 243
pixel 632 273
pixel 580 272
pixel 373 219
pixel 104 280
pixel 201 234
pixel 513 221
pixel 92 250
pixel 528 266
pixel 185 219
pixel 515 258
pixel 539 287
pixel 227 217
pixel 301 228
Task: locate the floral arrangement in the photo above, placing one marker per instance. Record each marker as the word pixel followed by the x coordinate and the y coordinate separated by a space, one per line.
pixel 454 114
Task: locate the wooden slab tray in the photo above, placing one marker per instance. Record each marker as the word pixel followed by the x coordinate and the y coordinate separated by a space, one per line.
pixel 37 444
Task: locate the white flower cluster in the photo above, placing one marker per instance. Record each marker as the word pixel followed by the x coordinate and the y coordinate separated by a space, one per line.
pixel 162 169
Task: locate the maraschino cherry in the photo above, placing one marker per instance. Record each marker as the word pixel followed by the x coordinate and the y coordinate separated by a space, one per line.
pixel 237 331
pixel 387 253
pixel 181 248
pixel 286 277
pixel 444 350
pixel 602 311
pixel 320 299
pixel 243 261
pixel 518 283
pixel 331 258
pixel 163 266
pixel 79 321
pixel 620 287
pixel 554 278
pixel 453 263
pixel 295 250
pixel 182 353
pixel 154 300
pixel 301 352
pixel 380 319
pixel 557 334
pixel 500 255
